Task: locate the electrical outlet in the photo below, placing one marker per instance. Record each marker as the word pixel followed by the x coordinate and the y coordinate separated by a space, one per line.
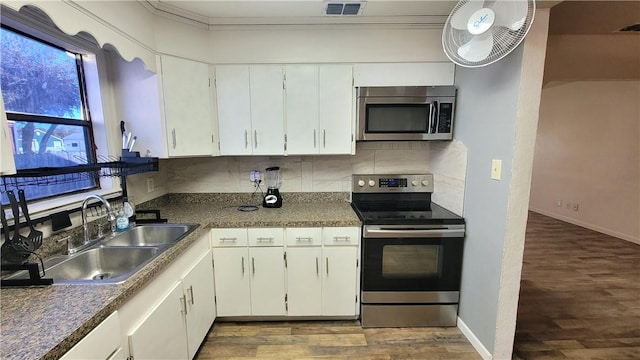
pixel 254 176
pixel 559 203
pixel 574 207
pixel 150 185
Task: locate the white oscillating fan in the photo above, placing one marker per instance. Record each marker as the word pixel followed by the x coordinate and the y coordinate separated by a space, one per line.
pixel 478 33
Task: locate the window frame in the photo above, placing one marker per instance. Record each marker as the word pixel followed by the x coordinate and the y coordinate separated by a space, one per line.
pixel 86 123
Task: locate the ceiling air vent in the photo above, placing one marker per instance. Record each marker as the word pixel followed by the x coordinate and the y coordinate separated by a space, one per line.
pixel 634 27
pixel 343 8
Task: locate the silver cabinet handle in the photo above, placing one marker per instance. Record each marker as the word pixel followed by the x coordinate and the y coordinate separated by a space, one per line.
pixel 264 239
pixel 242 263
pixel 246 139
pixel 317 267
pixel 173 137
pixel 253 266
pixel 314 138
pixel 324 138
pixel 233 239
pixel 327 266
pixel 183 301
pixel 341 238
pixel 255 138
pixel 304 238
pixel 190 291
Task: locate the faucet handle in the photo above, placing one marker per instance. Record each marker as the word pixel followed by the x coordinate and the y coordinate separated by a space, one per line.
pixel 100 232
pixel 69 241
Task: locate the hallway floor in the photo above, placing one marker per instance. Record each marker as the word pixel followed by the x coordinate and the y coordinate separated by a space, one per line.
pixel 579 296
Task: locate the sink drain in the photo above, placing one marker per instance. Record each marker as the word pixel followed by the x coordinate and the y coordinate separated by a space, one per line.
pixel 102 276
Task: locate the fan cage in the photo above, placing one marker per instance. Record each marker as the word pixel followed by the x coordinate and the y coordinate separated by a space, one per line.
pixel 505 40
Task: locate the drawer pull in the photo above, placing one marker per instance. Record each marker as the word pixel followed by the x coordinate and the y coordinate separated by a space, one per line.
pixel 233 239
pixel 342 238
pixel 304 239
pixel 265 239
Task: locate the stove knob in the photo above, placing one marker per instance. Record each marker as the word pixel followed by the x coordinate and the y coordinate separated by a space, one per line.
pixel 414 183
pixel 372 183
pixel 425 182
pixel 361 183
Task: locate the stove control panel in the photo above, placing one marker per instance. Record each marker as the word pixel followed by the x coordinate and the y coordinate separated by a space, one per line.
pixel 378 183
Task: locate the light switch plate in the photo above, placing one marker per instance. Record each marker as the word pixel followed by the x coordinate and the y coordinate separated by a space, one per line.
pixel 496 169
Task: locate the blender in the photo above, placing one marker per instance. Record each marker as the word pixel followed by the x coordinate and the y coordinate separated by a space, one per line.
pixel 273 180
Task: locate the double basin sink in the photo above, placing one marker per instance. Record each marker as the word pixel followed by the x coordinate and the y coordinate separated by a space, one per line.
pixel 117 257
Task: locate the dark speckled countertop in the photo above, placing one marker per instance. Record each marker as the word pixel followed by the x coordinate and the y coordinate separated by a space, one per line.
pixel 45 322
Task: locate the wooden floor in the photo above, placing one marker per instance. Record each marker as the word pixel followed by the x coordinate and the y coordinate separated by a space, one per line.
pixel 332 340
pixel 579 296
pixel 580 299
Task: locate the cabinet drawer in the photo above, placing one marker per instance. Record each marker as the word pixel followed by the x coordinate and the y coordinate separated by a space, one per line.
pixel 341 235
pixel 228 237
pixel 303 236
pixel 266 236
pixel 101 343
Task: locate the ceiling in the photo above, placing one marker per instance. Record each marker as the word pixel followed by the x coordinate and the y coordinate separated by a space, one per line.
pixel 567 17
pixel 301 12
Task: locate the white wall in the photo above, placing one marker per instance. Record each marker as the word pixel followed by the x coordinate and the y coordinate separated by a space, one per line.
pixel 588 153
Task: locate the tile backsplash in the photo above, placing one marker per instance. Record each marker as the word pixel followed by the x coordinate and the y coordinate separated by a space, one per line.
pixel 328 173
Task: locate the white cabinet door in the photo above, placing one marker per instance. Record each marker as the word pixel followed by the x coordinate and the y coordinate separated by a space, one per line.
pixel 339 280
pixel 162 334
pixel 335 104
pixel 304 281
pixel 103 342
pixel 198 287
pixel 302 113
pixel 267 109
pixel 231 273
pixel 267 281
pixel 187 106
pixel 234 110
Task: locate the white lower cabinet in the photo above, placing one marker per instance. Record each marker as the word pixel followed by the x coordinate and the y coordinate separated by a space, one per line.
pixel 322 271
pixel 103 342
pixel 290 272
pixel 171 315
pixel 230 265
pixel 249 271
pixel 178 324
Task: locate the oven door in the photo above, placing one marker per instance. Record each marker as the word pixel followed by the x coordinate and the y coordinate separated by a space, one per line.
pixel 412 258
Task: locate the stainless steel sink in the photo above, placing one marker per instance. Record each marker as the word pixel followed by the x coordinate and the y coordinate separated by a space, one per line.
pixel 150 235
pixel 106 265
pixel 116 258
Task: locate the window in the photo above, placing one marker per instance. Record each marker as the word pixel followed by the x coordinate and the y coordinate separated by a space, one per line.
pixel 43 88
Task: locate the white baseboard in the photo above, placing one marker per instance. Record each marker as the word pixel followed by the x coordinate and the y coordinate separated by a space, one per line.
pixel 597 228
pixel 475 342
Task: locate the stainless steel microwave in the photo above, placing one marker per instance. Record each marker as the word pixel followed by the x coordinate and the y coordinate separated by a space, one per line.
pixel 405 112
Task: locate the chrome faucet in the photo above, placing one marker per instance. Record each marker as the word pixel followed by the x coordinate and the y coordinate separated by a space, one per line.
pixel 110 216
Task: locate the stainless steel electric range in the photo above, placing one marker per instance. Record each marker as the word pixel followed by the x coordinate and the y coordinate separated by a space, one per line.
pixel 411 252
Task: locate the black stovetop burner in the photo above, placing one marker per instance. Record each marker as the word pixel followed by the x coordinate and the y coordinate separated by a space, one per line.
pixel 434 215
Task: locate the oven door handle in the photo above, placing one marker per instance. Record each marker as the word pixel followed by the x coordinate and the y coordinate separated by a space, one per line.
pixel 412 233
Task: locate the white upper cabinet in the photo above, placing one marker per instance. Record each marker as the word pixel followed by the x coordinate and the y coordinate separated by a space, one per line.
pixel 267 109
pixel 250 109
pixel 319 102
pixel 302 109
pixel 188 107
pixel 404 74
pixel 234 109
pixel 336 105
